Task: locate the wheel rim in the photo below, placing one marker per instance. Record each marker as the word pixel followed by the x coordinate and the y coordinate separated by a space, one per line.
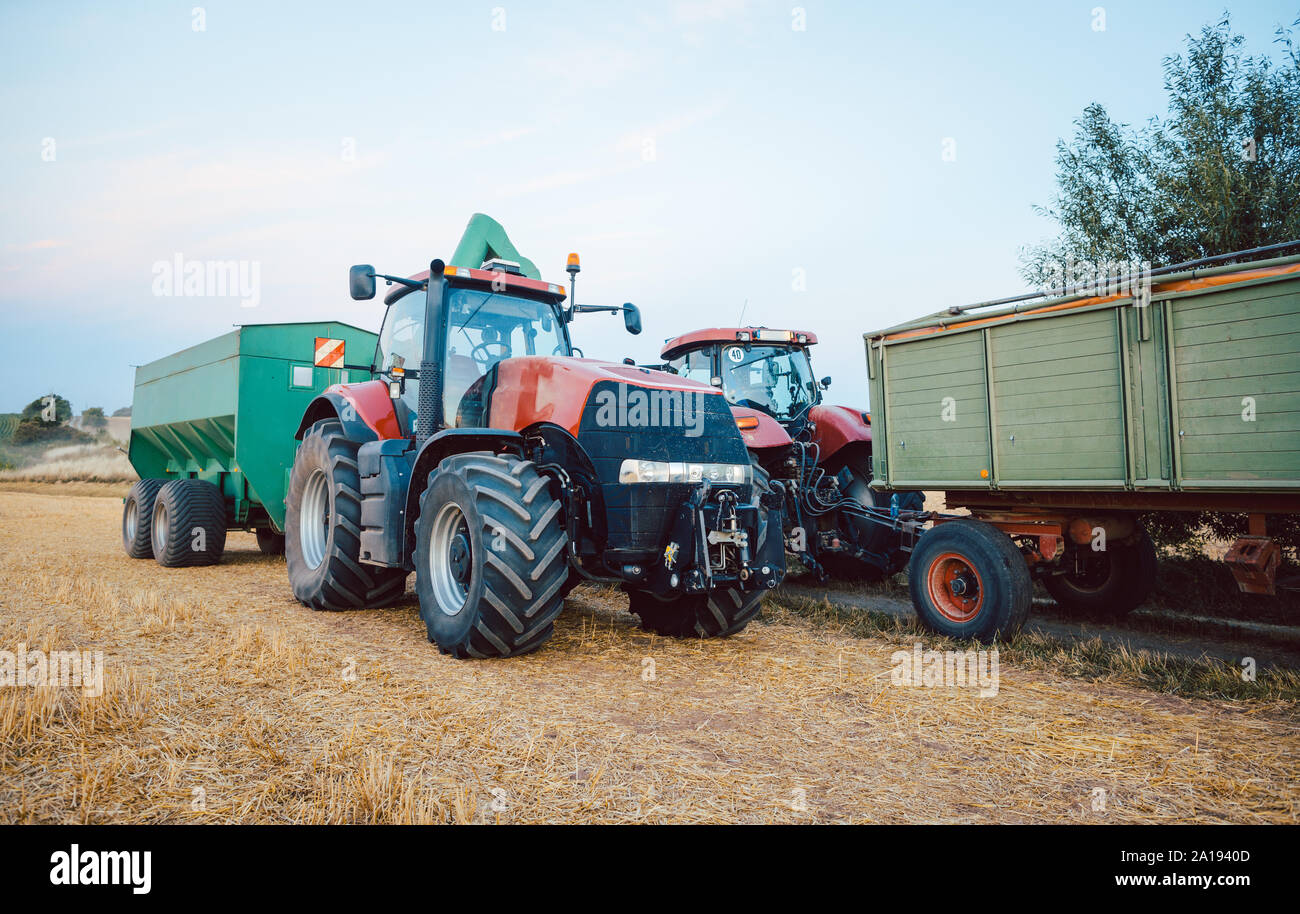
pixel 159 531
pixel 314 518
pixel 1096 574
pixel 131 522
pixel 955 587
pixel 451 559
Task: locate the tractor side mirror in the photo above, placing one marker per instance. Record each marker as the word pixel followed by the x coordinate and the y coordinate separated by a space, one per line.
pixel 631 318
pixel 361 282
pixel 826 381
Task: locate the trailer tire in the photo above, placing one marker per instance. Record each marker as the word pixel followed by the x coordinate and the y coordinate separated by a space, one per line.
pixel 873 537
pixel 995 587
pixel 137 516
pixel 1123 577
pixel 188 526
pixel 269 542
pixel 325 570
pixel 491 556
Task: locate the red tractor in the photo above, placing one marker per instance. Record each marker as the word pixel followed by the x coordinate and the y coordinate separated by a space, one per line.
pixel 817 455
pixel 502 470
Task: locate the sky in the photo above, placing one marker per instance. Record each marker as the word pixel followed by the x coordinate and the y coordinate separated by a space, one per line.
pixel 834 167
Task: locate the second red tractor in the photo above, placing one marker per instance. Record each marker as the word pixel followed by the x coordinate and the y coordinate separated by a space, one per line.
pixel 816 454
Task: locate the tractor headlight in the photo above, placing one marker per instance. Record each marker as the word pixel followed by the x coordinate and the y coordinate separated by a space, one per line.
pixel 634 471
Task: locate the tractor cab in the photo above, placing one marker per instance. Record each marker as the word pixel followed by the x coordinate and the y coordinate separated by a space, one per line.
pixel 755 367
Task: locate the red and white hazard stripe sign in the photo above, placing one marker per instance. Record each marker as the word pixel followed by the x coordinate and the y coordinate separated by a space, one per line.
pixel 329 353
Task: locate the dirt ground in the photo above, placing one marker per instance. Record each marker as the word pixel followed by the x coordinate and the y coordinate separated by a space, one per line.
pixel 226 701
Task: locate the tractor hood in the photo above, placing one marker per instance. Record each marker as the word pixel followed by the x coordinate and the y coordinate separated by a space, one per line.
pixel 555 389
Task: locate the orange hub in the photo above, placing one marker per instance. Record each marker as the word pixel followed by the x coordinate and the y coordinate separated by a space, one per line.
pixel 955 587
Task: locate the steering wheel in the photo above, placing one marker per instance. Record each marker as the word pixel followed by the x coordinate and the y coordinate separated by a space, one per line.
pixel 486 360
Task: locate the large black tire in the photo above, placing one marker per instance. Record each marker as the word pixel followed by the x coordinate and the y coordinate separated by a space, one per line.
pixel 874 537
pixel 323 558
pixel 491 558
pixel 1113 582
pixel 716 614
pixel 270 542
pixel 968 580
pixel 137 518
pixel 188 526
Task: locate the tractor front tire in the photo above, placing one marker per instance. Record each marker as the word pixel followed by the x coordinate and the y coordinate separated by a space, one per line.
pixel 968 580
pixel 1112 582
pixel 322 543
pixel 873 537
pixel 716 614
pixel 491 562
pixel 188 526
pixel 137 518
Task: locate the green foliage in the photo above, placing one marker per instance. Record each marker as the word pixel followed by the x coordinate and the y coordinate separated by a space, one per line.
pixel 93 417
pixel 1188 533
pixel 34 411
pixel 34 431
pixel 124 411
pixel 1219 172
pixel 8 424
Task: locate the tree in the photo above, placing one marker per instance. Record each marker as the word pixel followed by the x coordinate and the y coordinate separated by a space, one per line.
pixel 123 411
pixel 1220 172
pixel 36 411
pixel 93 417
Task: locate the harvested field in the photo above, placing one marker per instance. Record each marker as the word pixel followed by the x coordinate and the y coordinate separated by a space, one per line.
pixel 226 701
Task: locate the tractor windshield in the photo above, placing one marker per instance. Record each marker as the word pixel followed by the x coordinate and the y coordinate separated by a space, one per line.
pixel 482 329
pixel 775 379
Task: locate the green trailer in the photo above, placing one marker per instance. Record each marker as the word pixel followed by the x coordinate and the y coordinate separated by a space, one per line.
pixel 212 434
pixel 1056 422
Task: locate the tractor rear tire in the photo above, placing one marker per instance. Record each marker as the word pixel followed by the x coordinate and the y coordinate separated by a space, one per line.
pixel 491 556
pixel 322 544
pixel 137 516
pixel 188 527
pixel 968 580
pixel 270 542
pixel 716 614
pixel 1115 582
pixel 872 536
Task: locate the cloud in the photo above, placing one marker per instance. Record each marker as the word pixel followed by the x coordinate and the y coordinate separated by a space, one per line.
pixel 44 244
pixel 695 12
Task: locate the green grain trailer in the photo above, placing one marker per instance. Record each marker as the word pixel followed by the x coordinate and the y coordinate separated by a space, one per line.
pixel 212 434
pixel 1057 422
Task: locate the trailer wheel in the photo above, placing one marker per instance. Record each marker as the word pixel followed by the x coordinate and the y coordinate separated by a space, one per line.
pixel 1112 582
pixel 491 563
pixel 188 526
pixel 872 536
pixel 716 614
pixel 968 580
pixel 322 544
pixel 137 515
pixel 270 542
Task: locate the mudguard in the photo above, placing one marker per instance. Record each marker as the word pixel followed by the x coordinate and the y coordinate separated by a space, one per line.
pixel 365 410
pixel 838 426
